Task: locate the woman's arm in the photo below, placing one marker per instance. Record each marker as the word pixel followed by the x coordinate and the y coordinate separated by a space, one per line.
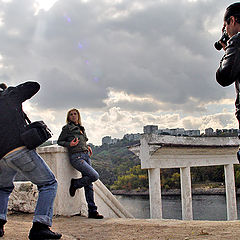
pixel 62 139
pixel 90 151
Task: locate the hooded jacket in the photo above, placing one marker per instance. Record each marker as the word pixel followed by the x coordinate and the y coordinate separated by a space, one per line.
pixel 11 115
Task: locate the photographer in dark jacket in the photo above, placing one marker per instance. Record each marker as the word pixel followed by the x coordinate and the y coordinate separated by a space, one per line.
pixel 229 70
pixel 15 157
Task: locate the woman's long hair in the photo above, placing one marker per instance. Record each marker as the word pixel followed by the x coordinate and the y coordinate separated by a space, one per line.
pixel 78 113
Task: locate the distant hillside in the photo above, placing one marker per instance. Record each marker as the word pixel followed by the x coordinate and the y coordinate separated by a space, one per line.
pixel 113 160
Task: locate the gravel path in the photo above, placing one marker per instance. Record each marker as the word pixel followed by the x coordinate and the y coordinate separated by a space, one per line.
pixel 81 228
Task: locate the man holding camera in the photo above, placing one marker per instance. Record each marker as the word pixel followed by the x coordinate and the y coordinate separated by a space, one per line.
pixel 229 70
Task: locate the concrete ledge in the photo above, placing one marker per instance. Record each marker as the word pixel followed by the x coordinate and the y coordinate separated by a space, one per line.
pixel 23 197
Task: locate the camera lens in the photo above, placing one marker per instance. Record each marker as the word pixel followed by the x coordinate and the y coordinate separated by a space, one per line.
pixel 218 46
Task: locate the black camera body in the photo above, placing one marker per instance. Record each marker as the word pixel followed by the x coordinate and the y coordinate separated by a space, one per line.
pixel 223 40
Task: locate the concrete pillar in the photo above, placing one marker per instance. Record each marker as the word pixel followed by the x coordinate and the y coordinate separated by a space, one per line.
pixel 154 180
pixel 65 205
pixel 230 192
pixel 155 193
pixel 186 193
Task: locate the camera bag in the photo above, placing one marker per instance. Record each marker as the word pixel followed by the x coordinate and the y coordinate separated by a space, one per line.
pixel 35 134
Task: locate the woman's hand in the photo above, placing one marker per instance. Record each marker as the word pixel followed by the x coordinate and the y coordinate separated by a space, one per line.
pixel 90 151
pixel 74 142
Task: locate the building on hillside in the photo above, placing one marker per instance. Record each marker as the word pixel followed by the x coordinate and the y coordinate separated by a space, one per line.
pixel 230 131
pixel 227 132
pixel 106 140
pixel 192 133
pixel 165 131
pixel 109 140
pixel 209 132
pixel 132 136
pixel 114 140
pixel 178 132
pixel 149 129
pixel 172 132
pixel 221 132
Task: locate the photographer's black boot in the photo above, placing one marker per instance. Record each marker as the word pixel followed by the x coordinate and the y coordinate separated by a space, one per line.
pixel 40 231
pixel 2 222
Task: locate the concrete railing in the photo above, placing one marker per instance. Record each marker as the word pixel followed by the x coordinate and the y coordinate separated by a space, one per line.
pixel 158 152
pixel 57 159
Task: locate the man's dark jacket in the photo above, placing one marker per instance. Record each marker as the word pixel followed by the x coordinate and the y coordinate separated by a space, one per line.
pixel 11 115
pixel 229 70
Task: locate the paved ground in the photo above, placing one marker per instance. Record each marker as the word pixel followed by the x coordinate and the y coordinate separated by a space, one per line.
pixel 81 228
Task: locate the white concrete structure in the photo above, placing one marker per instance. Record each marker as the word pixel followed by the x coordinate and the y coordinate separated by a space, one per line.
pixel 158 152
pixel 57 159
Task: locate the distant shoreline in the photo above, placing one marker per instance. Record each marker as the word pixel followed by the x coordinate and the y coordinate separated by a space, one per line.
pixel 175 192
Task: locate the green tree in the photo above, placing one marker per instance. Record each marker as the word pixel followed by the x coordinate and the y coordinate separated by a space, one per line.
pixel 135 178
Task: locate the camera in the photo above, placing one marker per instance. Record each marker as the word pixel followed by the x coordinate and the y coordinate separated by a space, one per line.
pixel 223 39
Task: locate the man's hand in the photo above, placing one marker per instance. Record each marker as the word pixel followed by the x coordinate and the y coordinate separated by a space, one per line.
pixel 223 45
pixel 90 151
pixel 74 142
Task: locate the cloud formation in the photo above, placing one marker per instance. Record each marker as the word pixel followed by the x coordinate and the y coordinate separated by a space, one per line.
pixel 124 64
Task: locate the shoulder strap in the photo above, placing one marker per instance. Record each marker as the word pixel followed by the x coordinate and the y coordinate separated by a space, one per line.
pixel 26 117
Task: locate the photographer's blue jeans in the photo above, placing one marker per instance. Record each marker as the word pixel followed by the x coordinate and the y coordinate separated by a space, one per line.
pixel 82 162
pixel 33 167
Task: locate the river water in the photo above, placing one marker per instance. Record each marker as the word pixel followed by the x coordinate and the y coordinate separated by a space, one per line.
pixel 205 207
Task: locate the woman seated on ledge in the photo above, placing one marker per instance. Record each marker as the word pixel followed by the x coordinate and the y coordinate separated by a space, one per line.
pixel 73 136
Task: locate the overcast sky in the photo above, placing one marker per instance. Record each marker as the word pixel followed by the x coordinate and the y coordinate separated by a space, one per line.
pixel 123 63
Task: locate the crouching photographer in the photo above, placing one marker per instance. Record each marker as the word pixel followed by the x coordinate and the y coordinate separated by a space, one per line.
pixel 15 156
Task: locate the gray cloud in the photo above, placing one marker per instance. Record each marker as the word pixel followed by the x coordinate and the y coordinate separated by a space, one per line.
pixel 78 50
pixel 158 50
pixel 170 51
pixel 60 90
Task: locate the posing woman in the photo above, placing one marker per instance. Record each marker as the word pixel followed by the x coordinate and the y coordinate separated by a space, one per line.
pixel 73 136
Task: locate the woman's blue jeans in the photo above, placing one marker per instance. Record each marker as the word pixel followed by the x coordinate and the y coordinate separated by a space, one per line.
pixel 33 167
pixel 82 162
